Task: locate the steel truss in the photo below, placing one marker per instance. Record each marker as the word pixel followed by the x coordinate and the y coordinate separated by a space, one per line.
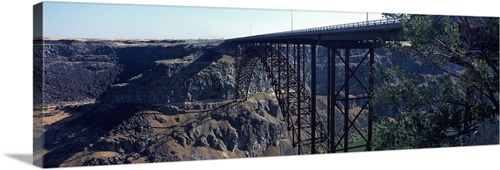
pixel 310 132
pixel 340 100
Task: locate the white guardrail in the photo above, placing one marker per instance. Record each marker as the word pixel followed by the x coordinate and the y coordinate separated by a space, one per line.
pixel 341 26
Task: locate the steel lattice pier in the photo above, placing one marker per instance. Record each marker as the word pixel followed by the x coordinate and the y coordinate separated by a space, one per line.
pixel 309 131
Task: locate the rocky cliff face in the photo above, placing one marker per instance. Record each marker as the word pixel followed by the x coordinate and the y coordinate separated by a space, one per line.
pixel 176 80
pixel 148 101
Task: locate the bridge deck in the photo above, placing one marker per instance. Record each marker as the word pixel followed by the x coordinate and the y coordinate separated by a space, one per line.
pixel 384 29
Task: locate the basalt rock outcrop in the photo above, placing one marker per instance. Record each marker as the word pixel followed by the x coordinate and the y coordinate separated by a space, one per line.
pixel 124 101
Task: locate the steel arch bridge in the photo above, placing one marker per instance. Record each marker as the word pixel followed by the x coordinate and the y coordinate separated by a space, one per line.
pixel 284 56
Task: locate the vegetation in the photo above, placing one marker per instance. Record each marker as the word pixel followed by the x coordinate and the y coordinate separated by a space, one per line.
pixel 446 107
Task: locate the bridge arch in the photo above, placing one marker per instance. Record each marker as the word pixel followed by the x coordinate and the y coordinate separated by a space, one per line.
pixel 309 131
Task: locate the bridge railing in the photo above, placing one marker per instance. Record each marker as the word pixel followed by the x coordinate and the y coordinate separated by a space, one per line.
pixel 343 26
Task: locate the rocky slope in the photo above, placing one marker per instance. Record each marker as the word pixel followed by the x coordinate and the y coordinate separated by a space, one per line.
pixel 115 102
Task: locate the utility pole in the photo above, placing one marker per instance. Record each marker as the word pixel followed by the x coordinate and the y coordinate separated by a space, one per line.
pixel 250 25
pixel 291 18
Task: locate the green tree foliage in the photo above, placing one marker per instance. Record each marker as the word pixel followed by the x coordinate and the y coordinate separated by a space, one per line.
pixel 433 110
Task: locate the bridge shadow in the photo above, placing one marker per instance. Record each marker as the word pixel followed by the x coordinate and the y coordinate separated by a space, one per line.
pixel 195 67
pixel 201 117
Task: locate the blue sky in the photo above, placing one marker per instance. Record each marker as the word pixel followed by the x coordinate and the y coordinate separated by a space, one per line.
pixel 93 20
